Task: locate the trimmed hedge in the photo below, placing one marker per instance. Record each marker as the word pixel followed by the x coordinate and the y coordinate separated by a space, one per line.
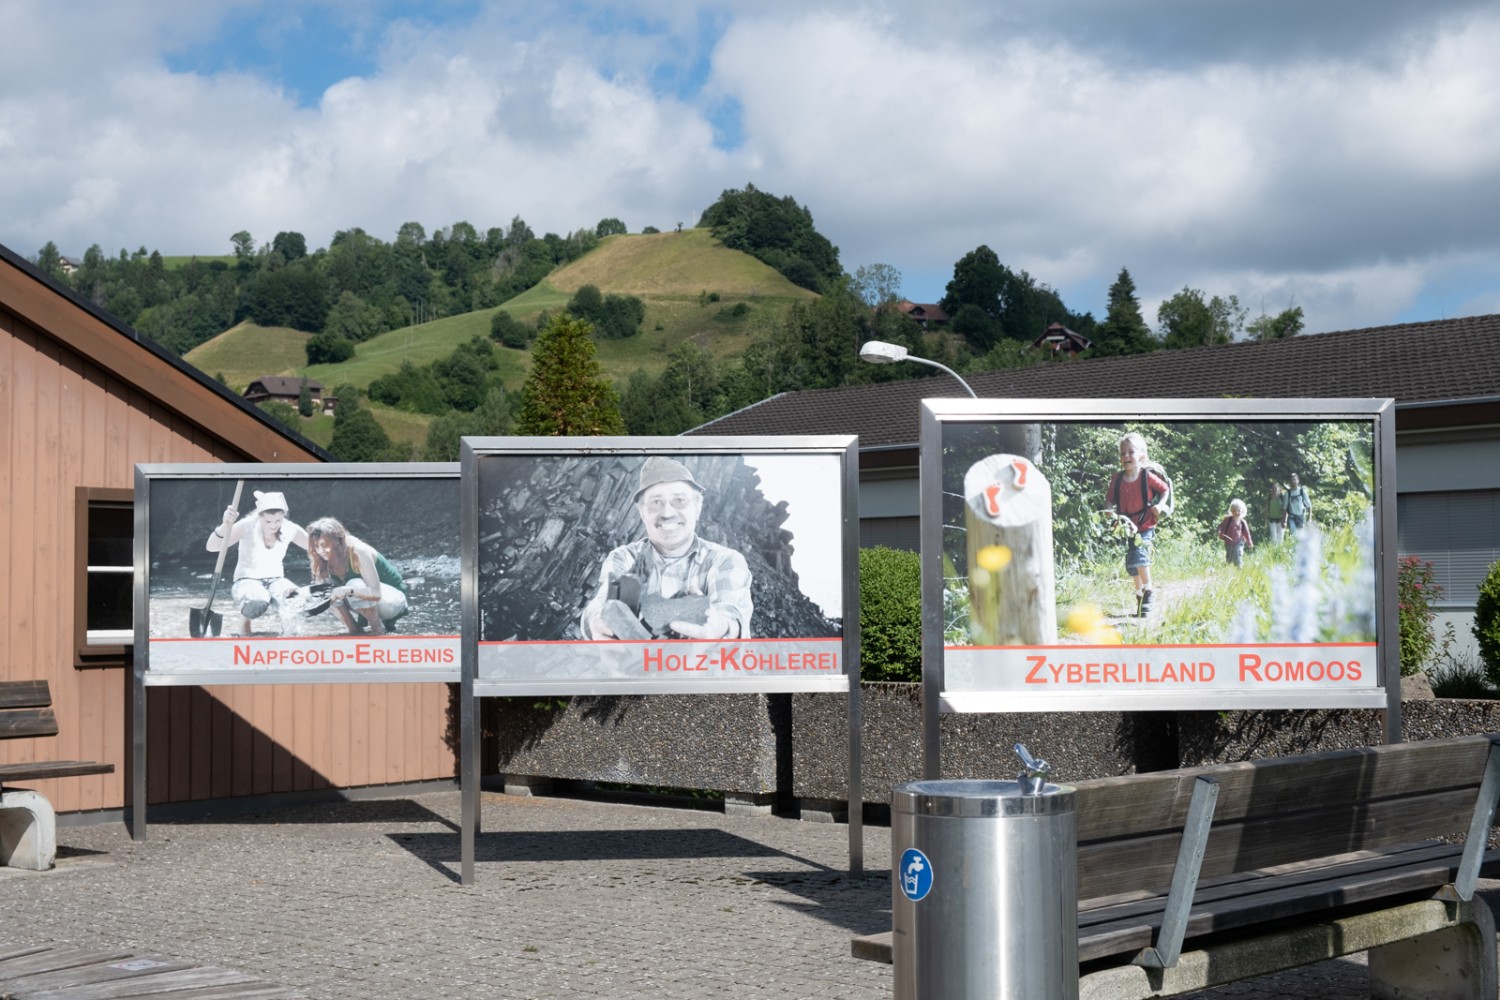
pixel 890 615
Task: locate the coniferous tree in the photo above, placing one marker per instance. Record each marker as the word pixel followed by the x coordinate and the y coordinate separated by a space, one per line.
pixel 567 393
pixel 1124 330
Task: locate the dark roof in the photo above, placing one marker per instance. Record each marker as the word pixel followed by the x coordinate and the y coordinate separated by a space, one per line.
pixel 923 310
pixel 1441 373
pixel 283 385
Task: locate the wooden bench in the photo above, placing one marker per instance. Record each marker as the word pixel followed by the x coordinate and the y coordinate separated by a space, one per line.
pixel 1202 876
pixel 28 825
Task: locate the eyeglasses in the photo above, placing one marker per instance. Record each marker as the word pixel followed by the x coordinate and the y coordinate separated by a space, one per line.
pixel 678 501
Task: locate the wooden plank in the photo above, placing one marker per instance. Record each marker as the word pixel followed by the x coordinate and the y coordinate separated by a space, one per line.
pixel 1277 903
pixel 58 957
pixel 86 975
pixel 172 984
pixel 180 744
pixel 283 735
pixel 1131 805
pixel 25 694
pixel 1098 911
pixel 221 749
pixel 27 723
pixel 1147 862
pixel 46 770
pixel 200 771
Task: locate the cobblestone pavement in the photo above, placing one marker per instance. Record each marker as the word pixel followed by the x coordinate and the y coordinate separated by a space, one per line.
pixel 572 898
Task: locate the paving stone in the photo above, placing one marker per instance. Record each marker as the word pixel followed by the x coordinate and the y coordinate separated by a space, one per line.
pixel 572 898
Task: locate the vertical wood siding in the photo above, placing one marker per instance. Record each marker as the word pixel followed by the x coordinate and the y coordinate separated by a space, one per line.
pixel 64 423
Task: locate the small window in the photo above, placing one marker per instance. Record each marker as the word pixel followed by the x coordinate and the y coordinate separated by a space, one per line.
pixel 105 584
pixel 1458 532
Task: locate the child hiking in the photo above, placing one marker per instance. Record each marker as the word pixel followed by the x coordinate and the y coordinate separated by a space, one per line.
pixel 1234 531
pixel 1140 491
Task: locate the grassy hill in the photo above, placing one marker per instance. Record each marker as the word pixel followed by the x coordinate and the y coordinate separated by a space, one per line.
pixel 246 352
pixel 693 289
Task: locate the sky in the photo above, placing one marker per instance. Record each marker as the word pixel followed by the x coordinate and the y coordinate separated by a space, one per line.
pixel 1340 157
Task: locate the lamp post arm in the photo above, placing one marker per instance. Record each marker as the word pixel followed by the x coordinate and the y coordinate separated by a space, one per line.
pixel 925 361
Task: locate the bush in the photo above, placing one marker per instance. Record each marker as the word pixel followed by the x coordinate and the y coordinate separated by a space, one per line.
pixel 328 349
pixel 890 615
pixel 1416 590
pixel 1487 624
pixel 510 331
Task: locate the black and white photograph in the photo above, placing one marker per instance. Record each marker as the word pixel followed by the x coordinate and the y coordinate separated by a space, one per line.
pixel 238 561
pixel 594 548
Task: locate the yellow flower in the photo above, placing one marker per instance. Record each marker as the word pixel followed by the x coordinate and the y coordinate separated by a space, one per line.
pixel 993 558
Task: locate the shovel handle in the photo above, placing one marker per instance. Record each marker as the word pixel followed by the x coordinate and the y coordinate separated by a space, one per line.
pixel 239 486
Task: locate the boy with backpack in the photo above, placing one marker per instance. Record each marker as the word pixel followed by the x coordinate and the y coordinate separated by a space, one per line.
pixel 1141 492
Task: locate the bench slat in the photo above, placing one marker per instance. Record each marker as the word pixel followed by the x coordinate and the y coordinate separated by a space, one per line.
pixel 1146 863
pixel 1137 804
pixel 1101 911
pixel 43 769
pixel 24 694
pixel 22 723
pixel 1297 901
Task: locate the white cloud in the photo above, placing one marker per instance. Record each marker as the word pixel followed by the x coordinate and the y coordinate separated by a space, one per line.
pixel 1345 178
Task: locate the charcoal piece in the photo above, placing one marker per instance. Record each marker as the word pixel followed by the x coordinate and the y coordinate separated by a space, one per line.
pixel 622 621
pixel 658 612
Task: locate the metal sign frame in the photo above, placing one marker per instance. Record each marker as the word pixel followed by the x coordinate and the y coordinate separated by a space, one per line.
pixel 938 414
pixel 478 455
pixel 146 476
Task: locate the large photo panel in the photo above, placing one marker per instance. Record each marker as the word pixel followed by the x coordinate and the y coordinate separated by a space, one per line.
pixel 1186 553
pixel 637 565
pixel 275 573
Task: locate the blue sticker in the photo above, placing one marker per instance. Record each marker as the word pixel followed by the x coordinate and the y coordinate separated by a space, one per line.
pixel 915 874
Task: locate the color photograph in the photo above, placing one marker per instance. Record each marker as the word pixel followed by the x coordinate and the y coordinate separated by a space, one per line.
pixel 1169 532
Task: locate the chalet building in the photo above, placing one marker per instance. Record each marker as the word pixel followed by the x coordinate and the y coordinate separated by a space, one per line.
pixel 1058 339
pixel 84 398
pixel 286 389
pixel 1444 376
pixel 923 313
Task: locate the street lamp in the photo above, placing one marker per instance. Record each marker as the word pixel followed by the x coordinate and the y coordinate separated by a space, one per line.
pixel 878 352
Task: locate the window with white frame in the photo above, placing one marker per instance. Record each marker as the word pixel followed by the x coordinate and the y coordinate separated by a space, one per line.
pixel 105 583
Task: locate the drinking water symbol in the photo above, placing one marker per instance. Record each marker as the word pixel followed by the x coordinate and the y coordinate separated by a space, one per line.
pixel 916 874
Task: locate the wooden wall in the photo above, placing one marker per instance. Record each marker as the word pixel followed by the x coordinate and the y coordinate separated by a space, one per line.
pixel 65 423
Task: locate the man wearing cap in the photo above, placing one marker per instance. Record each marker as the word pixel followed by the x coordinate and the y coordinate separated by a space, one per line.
pixel 263 537
pixel 669 564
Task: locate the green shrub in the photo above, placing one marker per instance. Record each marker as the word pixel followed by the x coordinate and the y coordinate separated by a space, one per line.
pixel 1487 623
pixel 890 615
pixel 1416 590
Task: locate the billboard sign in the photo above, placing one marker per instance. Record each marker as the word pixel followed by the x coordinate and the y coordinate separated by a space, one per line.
pixel 272 573
pixel 1159 554
pixel 634 565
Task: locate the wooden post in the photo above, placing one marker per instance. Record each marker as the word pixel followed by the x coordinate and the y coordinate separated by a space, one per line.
pixel 1012 589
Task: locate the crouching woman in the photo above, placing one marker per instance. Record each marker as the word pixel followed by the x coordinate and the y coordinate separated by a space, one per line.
pixel 368 591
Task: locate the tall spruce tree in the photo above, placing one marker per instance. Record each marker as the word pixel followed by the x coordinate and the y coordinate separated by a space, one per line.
pixel 567 393
pixel 1124 330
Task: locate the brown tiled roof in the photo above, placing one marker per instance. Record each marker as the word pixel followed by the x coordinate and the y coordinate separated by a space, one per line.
pixel 282 385
pixel 1453 361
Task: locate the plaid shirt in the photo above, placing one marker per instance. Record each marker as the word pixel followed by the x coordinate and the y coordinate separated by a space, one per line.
pixel 707 568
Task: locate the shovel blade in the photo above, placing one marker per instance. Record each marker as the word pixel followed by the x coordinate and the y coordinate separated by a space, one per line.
pixel 202 621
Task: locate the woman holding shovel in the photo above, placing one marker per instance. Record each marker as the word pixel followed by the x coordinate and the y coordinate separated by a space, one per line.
pixel 263 536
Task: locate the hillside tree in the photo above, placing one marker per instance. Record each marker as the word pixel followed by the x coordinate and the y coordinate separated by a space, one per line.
pixel 567 394
pixel 1187 319
pixel 1124 330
